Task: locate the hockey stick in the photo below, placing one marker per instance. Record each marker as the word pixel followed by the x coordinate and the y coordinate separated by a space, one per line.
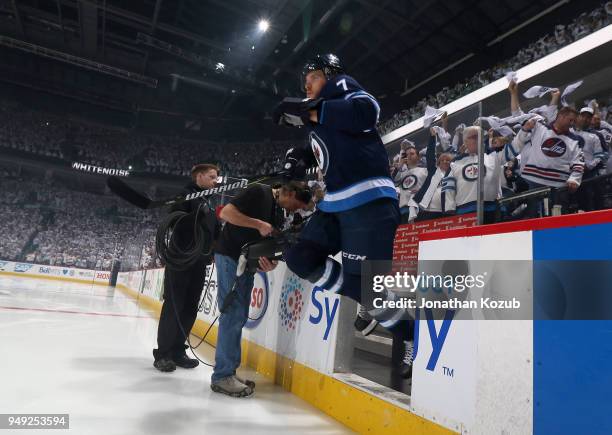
pixel 140 200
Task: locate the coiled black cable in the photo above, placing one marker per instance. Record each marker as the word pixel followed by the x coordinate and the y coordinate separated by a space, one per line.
pixel 183 257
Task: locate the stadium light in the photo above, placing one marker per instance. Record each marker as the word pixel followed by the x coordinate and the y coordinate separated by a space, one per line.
pixel 263 25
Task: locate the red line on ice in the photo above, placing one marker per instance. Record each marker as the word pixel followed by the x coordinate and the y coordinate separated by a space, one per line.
pixel 87 313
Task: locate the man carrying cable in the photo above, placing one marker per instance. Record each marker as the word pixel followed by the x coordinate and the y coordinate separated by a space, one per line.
pixel 252 215
pixel 185 270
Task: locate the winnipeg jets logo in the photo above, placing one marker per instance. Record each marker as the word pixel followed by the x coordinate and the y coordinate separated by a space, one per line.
pixel 470 172
pixel 554 147
pixel 409 182
pixel 320 152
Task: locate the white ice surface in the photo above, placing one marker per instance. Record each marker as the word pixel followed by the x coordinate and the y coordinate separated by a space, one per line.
pixel 85 350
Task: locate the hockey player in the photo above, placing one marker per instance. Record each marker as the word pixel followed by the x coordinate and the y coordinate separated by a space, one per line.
pixel 359 212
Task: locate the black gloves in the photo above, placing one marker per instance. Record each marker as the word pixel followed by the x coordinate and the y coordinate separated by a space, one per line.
pixel 297 161
pixel 294 112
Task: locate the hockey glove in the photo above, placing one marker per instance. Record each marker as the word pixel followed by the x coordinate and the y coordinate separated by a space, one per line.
pixel 294 112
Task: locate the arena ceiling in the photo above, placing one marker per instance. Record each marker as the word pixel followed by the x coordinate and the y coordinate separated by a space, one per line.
pixel 207 65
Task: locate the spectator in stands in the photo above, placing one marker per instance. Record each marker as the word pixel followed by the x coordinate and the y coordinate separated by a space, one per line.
pixel 408 178
pixel 51 224
pixel 551 156
pixel 598 124
pixel 464 174
pixel 56 138
pixel 436 197
pixel 562 36
pixel 595 152
pixel 404 145
pixel 605 130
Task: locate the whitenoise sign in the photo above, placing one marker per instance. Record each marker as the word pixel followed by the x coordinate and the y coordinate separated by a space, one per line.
pixel 100 170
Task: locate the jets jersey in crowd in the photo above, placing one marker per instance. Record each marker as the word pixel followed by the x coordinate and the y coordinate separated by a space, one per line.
pixel 605 133
pixel 408 182
pixel 594 150
pixel 464 175
pixel 603 125
pixel 437 194
pixel 549 158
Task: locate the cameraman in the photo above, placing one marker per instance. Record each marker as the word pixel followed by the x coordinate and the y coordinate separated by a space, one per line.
pixel 253 214
pixel 183 288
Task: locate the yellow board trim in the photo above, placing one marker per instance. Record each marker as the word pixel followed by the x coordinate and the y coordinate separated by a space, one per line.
pixel 356 409
pixel 55 278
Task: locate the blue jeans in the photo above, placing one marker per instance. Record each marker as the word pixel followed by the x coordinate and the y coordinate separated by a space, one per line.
pixel 227 356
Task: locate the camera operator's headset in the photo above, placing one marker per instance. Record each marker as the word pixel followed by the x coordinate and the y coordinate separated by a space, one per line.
pixel 179 258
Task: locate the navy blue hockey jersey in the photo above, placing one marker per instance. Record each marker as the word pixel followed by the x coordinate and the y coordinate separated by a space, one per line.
pixel 348 148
